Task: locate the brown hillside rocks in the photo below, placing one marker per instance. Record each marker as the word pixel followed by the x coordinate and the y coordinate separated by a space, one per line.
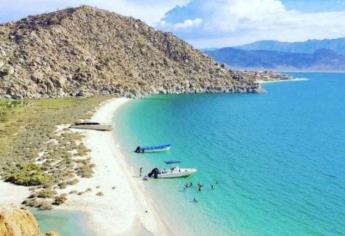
pixel 99 52
pixel 17 222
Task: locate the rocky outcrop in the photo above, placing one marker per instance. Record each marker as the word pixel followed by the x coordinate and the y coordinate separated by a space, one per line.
pixel 52 233
pixel 86 51
pixel 17 222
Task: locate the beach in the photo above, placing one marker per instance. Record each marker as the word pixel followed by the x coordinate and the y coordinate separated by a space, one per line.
pixel 124 208
pixel 113 199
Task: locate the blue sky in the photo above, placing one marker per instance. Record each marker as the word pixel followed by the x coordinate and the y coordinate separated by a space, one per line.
pixel 215 23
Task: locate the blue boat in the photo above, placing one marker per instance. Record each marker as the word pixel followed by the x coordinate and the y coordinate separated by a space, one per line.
pixel 159 148
pixel 172 162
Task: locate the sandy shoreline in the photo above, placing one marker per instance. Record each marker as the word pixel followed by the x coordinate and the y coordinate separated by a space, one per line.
pixel 124 208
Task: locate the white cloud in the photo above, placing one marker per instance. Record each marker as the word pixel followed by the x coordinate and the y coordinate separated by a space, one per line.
pixel 233 22
pixel 186 24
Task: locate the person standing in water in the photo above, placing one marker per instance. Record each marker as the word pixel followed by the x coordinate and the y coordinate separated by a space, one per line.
pixel 200 186
pixel 140 171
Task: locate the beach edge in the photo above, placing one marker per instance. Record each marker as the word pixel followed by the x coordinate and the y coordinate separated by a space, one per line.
pixel 125 208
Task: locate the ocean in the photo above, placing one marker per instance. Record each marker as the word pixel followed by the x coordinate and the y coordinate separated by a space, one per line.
pixel 276 159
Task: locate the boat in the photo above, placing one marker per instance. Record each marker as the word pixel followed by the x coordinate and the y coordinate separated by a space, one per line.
pixel 159 148
pixel 174 172
pixel 91 125
pixel 172 162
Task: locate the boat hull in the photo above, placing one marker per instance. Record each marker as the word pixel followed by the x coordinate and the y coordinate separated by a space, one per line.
pixel 157 150
pixel 161 148
pixel 93 127
pixel 182 173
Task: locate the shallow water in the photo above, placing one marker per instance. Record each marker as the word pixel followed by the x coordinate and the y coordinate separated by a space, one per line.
pixel 66 223
pixel 278 157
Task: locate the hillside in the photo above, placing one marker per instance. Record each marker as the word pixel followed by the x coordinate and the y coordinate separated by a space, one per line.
pixel 320 60
pixel 309 46
pixel 87 51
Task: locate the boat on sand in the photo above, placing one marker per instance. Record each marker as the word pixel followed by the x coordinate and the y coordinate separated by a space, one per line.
pixel 91 125
pixel 174 172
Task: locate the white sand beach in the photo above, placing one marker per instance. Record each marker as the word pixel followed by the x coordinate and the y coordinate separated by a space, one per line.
pixel 12 194
pixel 124 208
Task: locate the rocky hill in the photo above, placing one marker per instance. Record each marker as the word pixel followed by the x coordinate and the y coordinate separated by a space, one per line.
pixel 16 221
pixel 87 51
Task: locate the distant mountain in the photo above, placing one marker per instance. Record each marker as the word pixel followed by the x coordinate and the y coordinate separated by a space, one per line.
pixel 310 46
pixel 320 60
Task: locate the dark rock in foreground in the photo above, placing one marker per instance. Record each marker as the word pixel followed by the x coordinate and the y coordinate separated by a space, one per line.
pixel 86 51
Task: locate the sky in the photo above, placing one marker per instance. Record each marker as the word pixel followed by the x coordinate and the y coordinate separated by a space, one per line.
pixel 216 23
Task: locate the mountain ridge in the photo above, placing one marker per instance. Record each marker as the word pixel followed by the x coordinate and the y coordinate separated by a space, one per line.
pixel 309 46
pixel 320 60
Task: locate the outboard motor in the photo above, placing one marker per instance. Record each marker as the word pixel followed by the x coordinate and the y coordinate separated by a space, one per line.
pixel 138 149
pixel 154 173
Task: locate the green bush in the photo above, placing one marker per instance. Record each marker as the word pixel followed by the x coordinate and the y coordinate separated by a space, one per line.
pixel 28 174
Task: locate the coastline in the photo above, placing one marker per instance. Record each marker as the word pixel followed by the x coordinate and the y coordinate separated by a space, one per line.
pixel 281 81
pixel 124 208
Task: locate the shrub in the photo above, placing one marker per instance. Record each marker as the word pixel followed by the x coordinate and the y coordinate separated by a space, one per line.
pixel 46 193
pixel 59 200
pixel 28 174
pixel 62 185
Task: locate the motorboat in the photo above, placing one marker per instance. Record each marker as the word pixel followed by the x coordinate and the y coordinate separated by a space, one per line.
pixel 172 162
pixel 174 172
pixel 159 148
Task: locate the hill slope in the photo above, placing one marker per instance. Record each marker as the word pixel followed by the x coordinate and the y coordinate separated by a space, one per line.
pixel 99 52
pixel 310 46
pixel 321 60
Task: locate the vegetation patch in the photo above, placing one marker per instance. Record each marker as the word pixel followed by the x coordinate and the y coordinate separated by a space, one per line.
pixel 38 149
pixel 28 174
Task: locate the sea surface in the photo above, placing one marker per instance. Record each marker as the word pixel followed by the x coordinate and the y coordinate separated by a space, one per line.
pixel 276 160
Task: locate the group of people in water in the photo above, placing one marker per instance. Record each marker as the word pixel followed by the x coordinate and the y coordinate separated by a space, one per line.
pixel 200 187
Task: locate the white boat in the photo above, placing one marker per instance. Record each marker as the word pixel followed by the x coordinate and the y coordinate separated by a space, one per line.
pixel 174 172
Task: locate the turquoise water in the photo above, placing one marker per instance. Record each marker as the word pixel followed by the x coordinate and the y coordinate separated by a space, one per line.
pixel 278 157
pixel 66 223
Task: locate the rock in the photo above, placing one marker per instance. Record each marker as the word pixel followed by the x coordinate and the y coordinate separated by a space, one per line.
pixel 80 94
pixel 6 70
pixel 15 221
pixel 52 233
pixel 45 205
